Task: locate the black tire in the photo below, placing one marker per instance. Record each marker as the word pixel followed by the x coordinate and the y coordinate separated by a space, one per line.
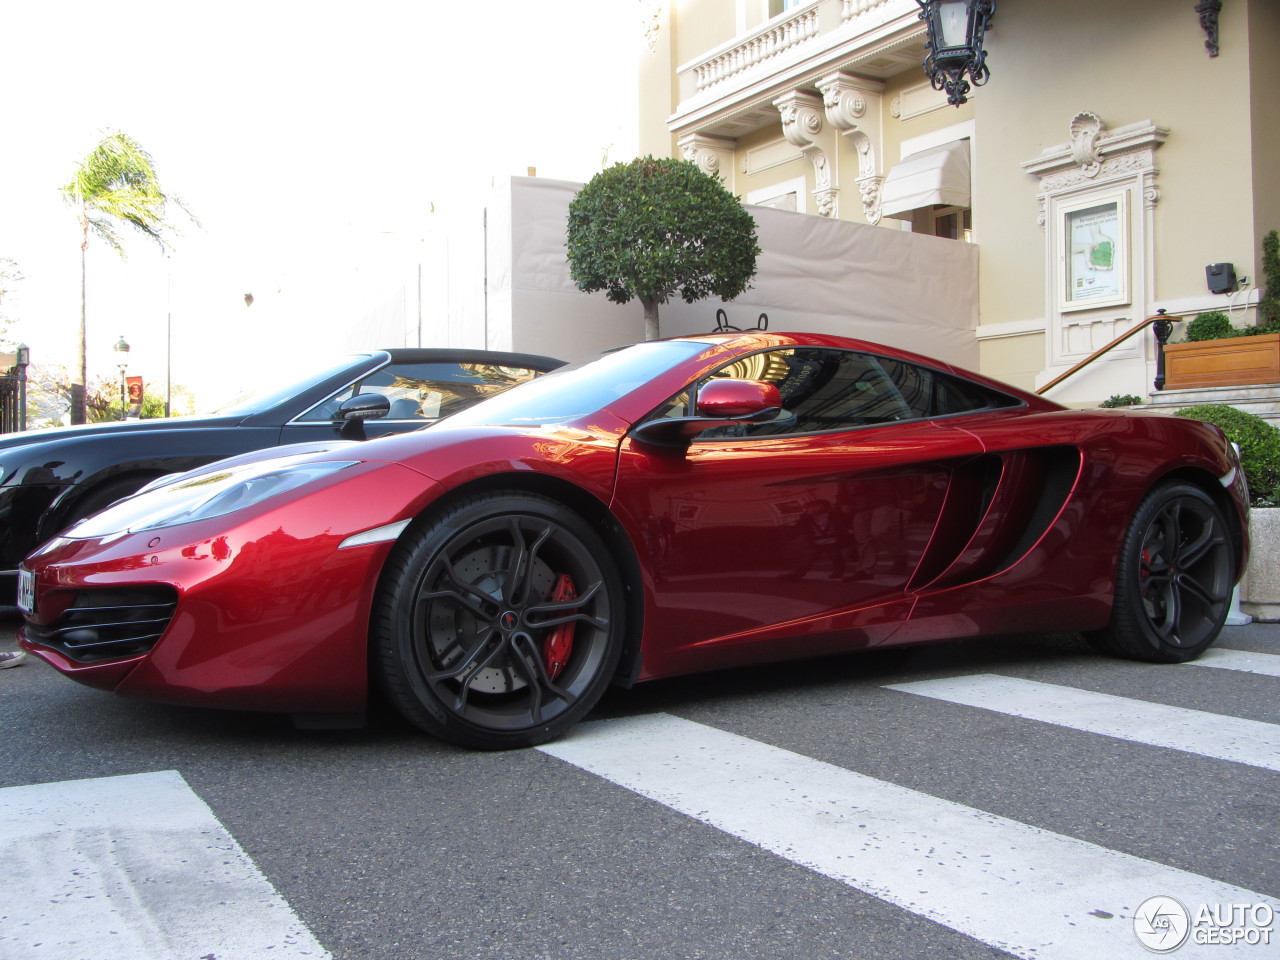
pixel 1174 582
pixel 465 615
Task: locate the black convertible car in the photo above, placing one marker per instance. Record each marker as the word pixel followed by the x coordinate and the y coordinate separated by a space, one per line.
pixel 51 478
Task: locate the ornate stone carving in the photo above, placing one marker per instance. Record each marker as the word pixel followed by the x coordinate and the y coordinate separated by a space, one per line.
pixel 1209 10
pixel 853 107
pixel 821 169
pixel 1085 130
pixel 713 155
pixel 866 154
pixel 1115 151
pixel 1110 167
pixel 802 124
pixel 869 187
pixel 801 117
pixel 651 22
pixel 845 106
pixel 869 182
pixel 849 99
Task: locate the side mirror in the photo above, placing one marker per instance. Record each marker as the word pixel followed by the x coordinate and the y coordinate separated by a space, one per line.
pixel 721 403
pixel 354 411
pixel 738 399
pixel 364 406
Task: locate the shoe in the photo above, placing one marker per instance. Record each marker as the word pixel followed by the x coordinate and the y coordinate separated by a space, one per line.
pixel 12 659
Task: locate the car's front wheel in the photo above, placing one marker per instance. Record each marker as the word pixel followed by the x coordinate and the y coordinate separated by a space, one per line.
pixel 1176 576
pixel 499 622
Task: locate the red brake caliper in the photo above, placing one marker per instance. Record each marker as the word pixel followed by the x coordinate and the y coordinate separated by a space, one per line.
pixel 559 643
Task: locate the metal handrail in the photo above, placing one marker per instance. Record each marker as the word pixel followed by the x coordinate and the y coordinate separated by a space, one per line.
pixel 1163 323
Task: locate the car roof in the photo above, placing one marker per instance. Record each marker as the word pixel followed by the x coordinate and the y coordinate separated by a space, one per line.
pixel 468 355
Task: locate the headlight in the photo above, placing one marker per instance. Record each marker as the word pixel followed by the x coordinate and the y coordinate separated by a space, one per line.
pixel 204 496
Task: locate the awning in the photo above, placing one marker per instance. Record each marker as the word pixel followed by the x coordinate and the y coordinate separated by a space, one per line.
pixel 939 175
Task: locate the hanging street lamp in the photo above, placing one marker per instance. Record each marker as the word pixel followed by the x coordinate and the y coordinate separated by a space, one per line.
pixel 954 48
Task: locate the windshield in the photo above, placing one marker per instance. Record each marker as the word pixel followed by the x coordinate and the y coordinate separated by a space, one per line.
pixel 266 397
pixel 579 389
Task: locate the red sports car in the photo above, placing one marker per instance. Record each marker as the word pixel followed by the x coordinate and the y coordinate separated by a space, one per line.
pixel 668 507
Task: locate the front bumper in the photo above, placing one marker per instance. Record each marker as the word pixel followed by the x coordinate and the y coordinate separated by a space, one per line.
pixel 260 611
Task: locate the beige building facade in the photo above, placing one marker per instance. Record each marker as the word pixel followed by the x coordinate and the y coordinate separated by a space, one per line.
pixel 1108 161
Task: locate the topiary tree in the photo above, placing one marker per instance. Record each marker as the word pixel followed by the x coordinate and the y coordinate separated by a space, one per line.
pixel 1259 444
pixel 653 228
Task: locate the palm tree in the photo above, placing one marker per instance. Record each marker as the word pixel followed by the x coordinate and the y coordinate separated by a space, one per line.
pixel 115 183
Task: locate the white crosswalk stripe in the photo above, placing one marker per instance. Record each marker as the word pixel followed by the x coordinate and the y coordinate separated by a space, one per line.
pixel 133 868
pixel 1025 890
pixel 139 868
pixel 1178 728
pixel 1243 661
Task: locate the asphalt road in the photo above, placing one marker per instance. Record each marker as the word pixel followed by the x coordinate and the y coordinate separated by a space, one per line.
pixel 388 844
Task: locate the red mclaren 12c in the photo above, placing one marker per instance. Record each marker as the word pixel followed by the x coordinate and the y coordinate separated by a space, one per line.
pixel 668 507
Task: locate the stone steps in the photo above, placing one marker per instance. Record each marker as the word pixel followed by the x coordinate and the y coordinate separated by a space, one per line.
pixel 1262 400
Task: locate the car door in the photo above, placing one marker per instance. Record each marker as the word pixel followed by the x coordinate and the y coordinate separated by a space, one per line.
pixel 796 536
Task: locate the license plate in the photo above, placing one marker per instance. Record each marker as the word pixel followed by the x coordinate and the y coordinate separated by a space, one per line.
pixel 26 591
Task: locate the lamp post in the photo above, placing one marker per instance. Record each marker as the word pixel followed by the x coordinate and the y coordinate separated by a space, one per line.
pixel 23 361
pixel 122 360
pixel 954 48
pixel 168 333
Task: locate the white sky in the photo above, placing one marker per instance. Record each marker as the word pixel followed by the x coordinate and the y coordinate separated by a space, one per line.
pixel 300 134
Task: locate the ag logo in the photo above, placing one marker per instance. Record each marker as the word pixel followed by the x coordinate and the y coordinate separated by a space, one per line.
pixel 1161 924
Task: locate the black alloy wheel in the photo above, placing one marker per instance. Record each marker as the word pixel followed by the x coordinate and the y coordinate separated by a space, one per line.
pixel 1175 580
pixel 499 623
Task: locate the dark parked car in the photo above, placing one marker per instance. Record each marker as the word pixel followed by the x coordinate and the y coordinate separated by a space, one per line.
pixel 51 478
pixel 674 506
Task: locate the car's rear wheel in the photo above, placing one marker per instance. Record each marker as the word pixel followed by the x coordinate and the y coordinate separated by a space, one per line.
pixel 1174 583
pixel 498 623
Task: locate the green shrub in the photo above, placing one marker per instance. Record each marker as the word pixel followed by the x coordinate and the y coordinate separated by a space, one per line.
pixel 1121 400
pixel 1269 308
pixel 1259 444
pixel 1214 325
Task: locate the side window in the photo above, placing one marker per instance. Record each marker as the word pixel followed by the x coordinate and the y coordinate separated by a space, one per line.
pixel 834 390
pixel 932 393
pixel 821 389
pixel 427 391
pixel 824 389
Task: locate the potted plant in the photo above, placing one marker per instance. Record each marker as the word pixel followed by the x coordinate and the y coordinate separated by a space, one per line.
pixel 1217 354
pixel 1259 444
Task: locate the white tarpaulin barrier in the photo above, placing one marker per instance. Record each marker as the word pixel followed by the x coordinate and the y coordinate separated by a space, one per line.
pixel 814 274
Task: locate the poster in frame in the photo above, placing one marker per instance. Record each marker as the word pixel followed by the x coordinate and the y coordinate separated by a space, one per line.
pixel 1094 259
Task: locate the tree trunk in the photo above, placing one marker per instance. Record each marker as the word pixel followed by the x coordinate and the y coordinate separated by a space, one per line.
pixel 650 319
pixel 80 377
